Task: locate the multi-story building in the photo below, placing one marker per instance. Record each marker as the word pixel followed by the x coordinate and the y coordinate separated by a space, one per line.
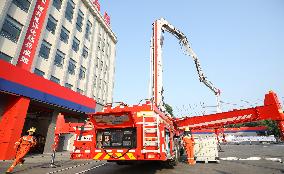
pixel 75 49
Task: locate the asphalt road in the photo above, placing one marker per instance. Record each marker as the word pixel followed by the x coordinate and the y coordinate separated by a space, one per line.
pixel 258 165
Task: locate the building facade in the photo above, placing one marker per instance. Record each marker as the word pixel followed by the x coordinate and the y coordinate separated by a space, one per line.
pixel 68 67
pixel 76 48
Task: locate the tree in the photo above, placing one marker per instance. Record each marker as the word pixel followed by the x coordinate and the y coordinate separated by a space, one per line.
pixel 272 127
pixel 169 109
pixel 270 124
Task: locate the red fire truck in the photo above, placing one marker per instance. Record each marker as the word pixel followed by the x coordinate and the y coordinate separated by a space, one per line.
pixel 126 134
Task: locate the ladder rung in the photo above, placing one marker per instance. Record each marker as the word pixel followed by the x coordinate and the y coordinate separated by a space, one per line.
pixel 145 151
pixel 151 143
pixel 151 130
pixel 150 124
pixel 151 138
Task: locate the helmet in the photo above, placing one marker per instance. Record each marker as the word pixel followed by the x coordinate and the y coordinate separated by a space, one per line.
pixel 187 131
pixel 32 129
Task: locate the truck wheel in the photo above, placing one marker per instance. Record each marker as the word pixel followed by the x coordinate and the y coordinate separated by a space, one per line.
pixel 170 163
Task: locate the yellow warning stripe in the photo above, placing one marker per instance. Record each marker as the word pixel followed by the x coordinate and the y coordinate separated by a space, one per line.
pixel 98 156
pixel 107 156
pixel 131 156
pixel 102 156
pixel 120 155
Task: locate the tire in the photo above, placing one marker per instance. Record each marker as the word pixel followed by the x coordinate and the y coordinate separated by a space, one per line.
pixel 170 163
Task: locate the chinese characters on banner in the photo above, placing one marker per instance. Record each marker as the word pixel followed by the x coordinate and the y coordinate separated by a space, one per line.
pixel 107 18
pixel 32 36
pixel 97 4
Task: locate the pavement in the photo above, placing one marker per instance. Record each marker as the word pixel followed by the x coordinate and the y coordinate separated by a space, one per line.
pixel 236 159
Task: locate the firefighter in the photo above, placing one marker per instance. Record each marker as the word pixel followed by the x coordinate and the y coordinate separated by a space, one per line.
pixel 23 146
pixel 188 143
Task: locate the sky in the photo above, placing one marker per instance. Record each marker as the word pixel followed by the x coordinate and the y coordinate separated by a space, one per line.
pixel 240 45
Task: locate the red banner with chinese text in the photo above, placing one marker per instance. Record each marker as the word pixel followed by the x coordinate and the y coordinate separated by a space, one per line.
pixel 107 18
pixel 97 4
pixel 33 34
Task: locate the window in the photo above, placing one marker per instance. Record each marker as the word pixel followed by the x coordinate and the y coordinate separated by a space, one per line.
pixel 106 70
pixel 69 10
pixel 100 83
pixel 22 4
pixel 44 49
pixel 103 46
pixel 67 85
pixel 95 81
pixel 108 49
pixel 5 57
pixel 71 66
pixel 102 64
pixel 11 29
pixel 80 91
pixel 75 45
pixel 54 79
pixel 105 89
pixel 51 24
pixel 82 73
pixel 79 22
pixel 88 30
pixel 57 4
pixel 39 72
pixel 97 63
pixel 64 35
pixel 99 43
pixel 59 58
pixel 85 52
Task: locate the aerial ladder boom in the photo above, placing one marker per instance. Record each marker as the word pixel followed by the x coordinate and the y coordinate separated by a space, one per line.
pixel 271 110
pixel 159 26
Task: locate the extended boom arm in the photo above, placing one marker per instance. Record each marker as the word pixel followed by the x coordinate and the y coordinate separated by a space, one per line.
pixel 156 53
pixel 271 110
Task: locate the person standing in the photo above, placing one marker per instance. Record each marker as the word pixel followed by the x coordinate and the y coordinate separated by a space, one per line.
pixel 23 146
pixel 188 143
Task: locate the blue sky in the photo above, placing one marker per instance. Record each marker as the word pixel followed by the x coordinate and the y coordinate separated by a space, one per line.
pixel 240 45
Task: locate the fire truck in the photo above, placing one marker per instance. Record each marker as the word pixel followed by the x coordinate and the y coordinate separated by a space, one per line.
pixel 125 134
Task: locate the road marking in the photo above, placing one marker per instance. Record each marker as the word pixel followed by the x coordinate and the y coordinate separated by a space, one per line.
pixel 251 159
pixel 229 159
pixel 61 170
pixel 274 159
pixel 84 171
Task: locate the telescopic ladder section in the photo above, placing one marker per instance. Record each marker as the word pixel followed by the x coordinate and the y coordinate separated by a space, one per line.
pixel 156 68
pixel 151 133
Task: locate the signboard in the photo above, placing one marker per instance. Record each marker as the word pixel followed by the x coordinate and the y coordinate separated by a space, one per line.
pixel 111 119
pixel 107 18
pixel 30 43
pixel 97 5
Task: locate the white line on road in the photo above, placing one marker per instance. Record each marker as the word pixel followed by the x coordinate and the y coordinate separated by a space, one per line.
pixel 229 158
pixel 251 159
pixel 84 171
pixel 61 170
pixel 274 159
